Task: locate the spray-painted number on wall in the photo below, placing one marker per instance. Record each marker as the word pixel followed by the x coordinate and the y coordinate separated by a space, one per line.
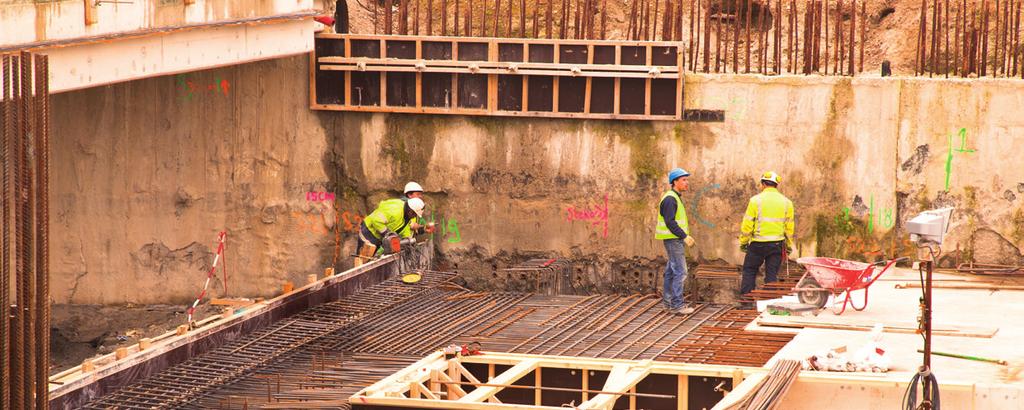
pixel 597 215
pixel 447 228
pixel 882 217
pixel 962 150
pixel 189 88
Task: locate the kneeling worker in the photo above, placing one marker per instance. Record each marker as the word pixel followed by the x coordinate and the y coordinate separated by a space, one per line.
pixel 766 230
pixel 391 215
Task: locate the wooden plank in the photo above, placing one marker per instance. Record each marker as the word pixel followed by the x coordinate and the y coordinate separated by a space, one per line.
pixel 455 77
pixel 962 331
pixel 554 82
pixel 581 42
pixel 492 79
pixel 586 92
pixel 419 75
pixel 526 78
pixel 622 378
pixel 537 383
pixel 504 65
pixel 679 81
pixel 507 377
pixel 618 83
pixel 383 75
pixel 348 76
pixel 552 73
pixel 472 111
pixel 683 391
pixel 231 302
pixel 586 384
pixel 647 85
pixel 312 78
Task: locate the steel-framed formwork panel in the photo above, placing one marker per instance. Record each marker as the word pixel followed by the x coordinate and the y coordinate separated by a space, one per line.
pixel 590 79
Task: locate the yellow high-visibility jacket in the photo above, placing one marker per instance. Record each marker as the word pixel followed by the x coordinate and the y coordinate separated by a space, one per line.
pixel 769 218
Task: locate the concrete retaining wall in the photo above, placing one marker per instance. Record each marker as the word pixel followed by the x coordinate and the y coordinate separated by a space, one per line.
pixel 147 172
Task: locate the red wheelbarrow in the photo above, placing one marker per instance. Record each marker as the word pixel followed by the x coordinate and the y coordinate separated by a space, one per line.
pixel 829 276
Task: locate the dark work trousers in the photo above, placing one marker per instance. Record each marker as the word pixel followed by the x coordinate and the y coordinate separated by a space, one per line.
pixel 758 253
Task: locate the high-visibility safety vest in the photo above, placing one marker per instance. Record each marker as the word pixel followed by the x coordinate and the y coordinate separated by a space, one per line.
pixel 769 218
pixel 661 231
pixel 390 215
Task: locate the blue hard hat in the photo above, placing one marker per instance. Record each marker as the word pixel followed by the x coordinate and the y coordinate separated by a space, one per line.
pixel 676 173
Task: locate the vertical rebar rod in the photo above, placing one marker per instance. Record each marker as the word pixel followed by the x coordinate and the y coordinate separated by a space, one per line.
pixel 18 348
pixel 692 38
pixel 403 17
pixel 820 37
pixel 853 31
pixel 760 36
pixel 444 17
pixel 5 202
pixel 508 21
pixel 430 16
pixel 984 41
pixel 707 39
pixel 827 45
pixel 746 31
pixel 27 305
pixel 604 19
pixel 956 42
pixel 921 43
pixel 522 18
pixel 736 40
pixel 548 24
pixel 787 65
pixel 945 33
pixel 42 237
pixel 863 31
pixel 536 27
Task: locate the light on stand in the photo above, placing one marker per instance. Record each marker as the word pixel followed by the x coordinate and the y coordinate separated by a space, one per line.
pixel 928 230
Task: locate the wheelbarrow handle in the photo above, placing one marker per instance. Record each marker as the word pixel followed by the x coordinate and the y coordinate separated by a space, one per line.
pixel 880 263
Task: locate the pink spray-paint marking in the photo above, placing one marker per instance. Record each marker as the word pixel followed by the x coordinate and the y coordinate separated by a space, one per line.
pixel 596 215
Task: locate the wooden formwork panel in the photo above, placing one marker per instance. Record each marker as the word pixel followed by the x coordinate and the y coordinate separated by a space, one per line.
pixel 630 80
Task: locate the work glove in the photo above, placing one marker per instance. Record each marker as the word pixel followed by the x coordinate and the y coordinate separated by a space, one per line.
pixel 689 241
pixel 743 248
pixel 429 228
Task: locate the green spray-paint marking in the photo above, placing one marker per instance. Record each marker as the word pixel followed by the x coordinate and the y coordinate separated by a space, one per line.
pixel 949 155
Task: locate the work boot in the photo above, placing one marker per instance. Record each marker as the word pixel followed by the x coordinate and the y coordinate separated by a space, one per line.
pixel 685 310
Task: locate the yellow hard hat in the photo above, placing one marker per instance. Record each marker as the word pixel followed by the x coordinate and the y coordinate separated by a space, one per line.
pixel 771 176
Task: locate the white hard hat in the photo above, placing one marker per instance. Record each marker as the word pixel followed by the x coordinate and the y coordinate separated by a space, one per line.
pixel 771 176
pixel 417 206
pixel 412 187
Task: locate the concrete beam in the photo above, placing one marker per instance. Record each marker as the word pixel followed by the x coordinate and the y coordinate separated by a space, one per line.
pixel 91 64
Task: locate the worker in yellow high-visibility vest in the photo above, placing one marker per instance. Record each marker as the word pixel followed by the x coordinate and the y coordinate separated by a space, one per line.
pixel 767 230
pixel 674 231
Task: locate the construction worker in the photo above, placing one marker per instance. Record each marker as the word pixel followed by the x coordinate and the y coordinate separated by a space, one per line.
pixel 674 231
pixel 766 231
pixel 391 216
pixel 414 190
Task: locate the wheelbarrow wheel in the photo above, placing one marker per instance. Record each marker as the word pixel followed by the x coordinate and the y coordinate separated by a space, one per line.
pixel 818 298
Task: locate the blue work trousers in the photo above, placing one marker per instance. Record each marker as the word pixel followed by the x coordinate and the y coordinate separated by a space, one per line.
pixel 675 273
